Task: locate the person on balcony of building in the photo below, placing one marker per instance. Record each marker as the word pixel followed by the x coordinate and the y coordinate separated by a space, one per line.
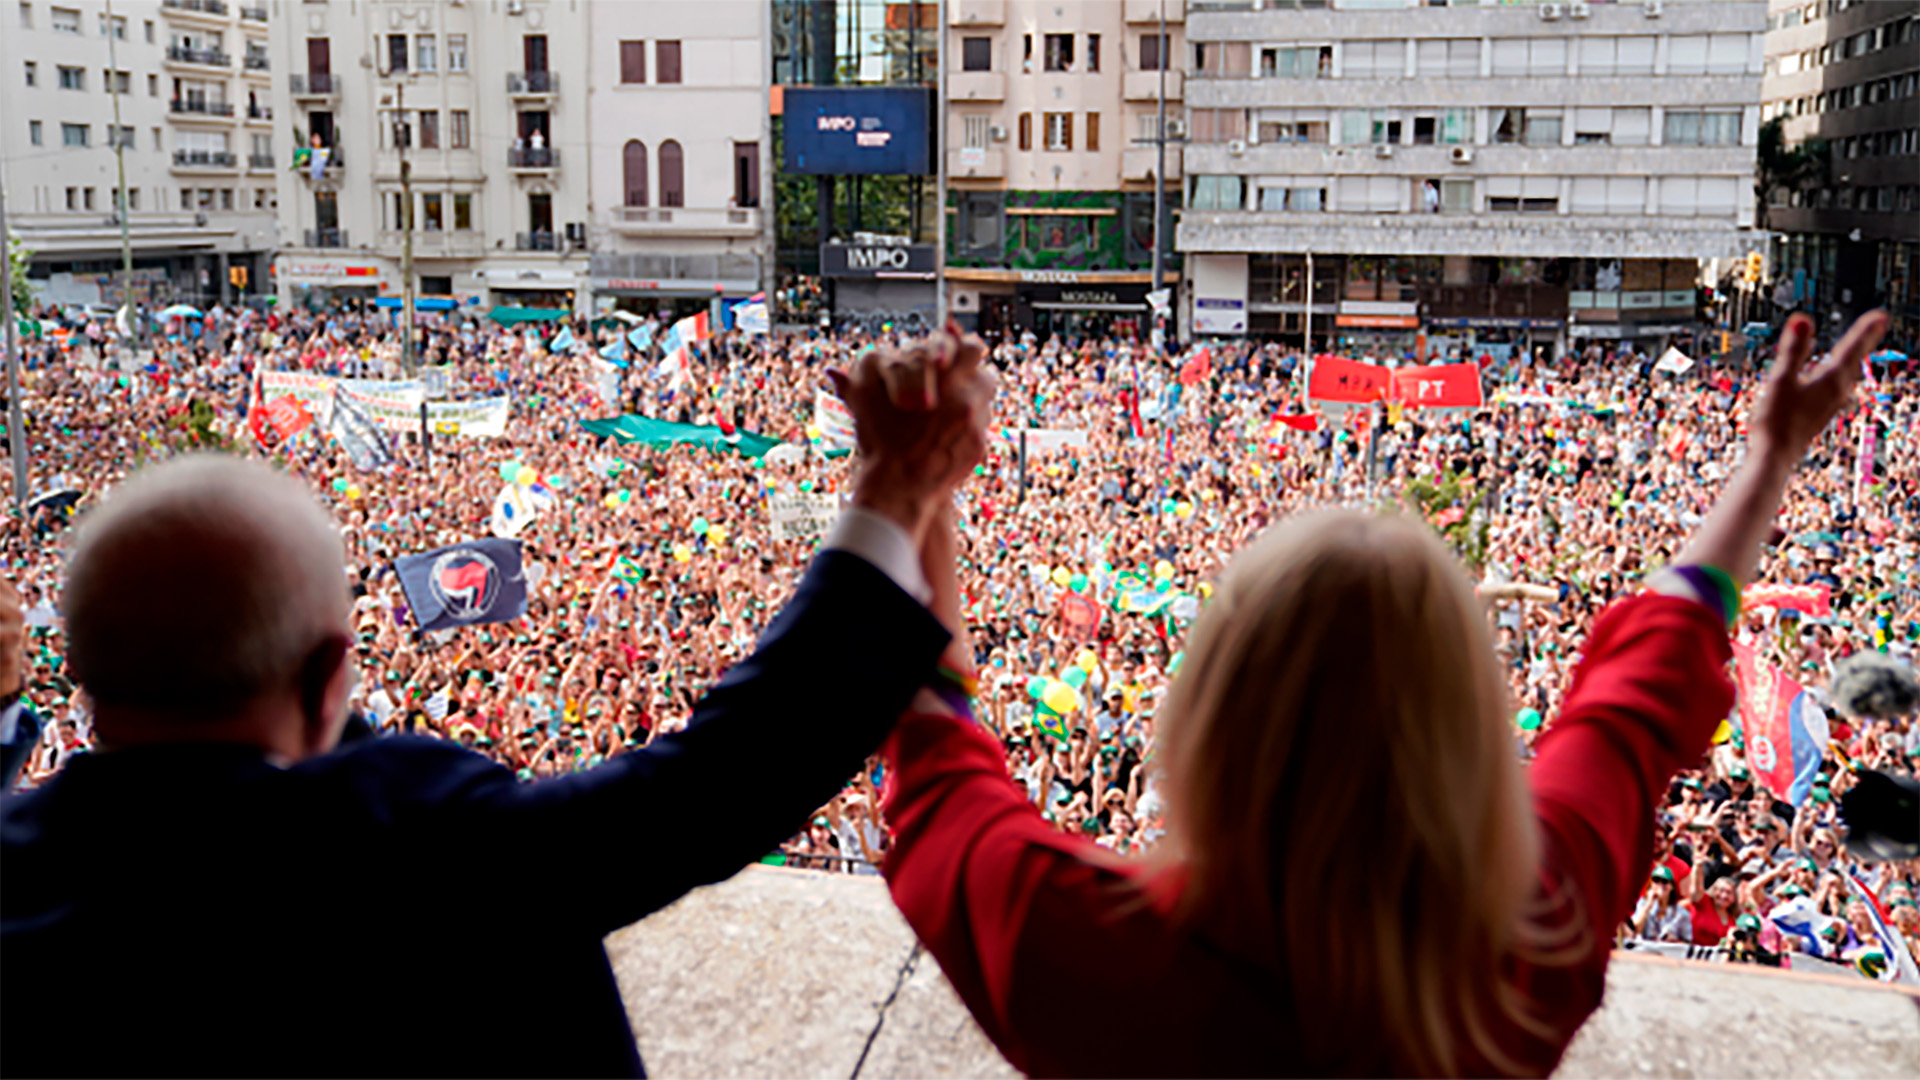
pixel 1358 876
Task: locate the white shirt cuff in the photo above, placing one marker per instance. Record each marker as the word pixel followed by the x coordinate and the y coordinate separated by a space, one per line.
pixel 880 541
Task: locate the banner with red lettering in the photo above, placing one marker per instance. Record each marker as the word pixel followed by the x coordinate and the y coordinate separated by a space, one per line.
pixel 1784 730
pixel 1814 600
pixel 1443 386
pixel 1346 382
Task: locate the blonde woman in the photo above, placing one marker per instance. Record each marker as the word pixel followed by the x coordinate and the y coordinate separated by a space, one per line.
pixel 1358 877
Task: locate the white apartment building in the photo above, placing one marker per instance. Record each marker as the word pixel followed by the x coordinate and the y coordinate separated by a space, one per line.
pixel 1474 176
pixel 486 103
pixel 680 162
pixel 192 81
pixel 1052 111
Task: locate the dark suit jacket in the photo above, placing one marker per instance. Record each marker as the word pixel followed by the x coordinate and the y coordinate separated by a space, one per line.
pixel 404 907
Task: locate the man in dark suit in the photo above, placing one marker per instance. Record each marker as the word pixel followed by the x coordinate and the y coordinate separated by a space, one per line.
pixel 221 891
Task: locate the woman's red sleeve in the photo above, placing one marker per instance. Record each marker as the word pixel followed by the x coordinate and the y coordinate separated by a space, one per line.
pixel 1645 702
pixel 1038 932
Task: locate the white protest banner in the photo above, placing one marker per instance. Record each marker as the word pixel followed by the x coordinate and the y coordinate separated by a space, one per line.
pixel 481 418
pixel 802 517
pixel 1674 362
pixel 406 391
pixel 834 422
pixel 314 392
pixel 1041 440
pixel 435 379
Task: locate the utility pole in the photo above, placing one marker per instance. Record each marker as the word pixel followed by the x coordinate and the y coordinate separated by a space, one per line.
pixel 16 424
pixel 405 132
pixel 1306 311
pixel 940 176
pixel 1160 175
pixel 120 161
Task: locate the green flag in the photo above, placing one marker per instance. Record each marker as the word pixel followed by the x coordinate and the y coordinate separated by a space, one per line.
pixel 661 433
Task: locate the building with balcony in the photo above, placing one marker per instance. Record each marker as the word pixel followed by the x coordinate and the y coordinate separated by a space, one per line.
pixel 1050 139
pixel 680 147
pixel 1469 178
pixel 495 147
pixel 1846 77
pixel 192 214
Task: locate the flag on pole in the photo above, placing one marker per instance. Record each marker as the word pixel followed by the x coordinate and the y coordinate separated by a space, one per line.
pixel 363 440
pixel 464 584
pixel 615 352
pixel 562 341
pixel 1899 966
pixel 1346 382
pixel 1673 362
pixel 1785 732
pixel 1442 386
pixel 640 337
pixel 834 421
pixel 1198 368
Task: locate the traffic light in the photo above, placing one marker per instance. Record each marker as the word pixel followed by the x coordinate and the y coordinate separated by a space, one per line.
pixel 1755 267
pixel 237 276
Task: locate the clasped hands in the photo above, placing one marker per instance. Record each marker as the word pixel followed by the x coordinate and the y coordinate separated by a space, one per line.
pixel 920 419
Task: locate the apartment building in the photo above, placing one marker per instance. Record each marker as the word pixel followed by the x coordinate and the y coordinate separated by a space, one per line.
pixel 678 130
pixel 1466 178
pixel 469 116
pixel 191 78
pixel 1052 113
pixel 1846 74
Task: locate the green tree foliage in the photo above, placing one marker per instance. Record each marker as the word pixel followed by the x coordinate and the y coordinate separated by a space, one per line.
pixel 1466 536
pixel 19 256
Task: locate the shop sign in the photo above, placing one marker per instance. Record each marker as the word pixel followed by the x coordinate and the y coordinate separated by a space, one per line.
pixel 1388 322
pixel 875 260
pixel 1379 307
pixel 1496 322
pixel 329 272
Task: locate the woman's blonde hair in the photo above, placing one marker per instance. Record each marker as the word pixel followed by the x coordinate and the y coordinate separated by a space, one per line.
pixel 1345 802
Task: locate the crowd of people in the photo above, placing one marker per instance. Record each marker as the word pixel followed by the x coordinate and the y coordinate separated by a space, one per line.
pixel 1119 482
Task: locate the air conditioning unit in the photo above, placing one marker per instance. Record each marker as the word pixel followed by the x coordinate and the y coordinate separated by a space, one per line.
pixel 1653 9
pixel 1176 129
pixel 515 7
pixel 200 220
pixel 1550 12
pixel 1236 147
pixel 576 232
pixel 1383 150
pixel 1463 155
pixel 999 132
pixel 1579 9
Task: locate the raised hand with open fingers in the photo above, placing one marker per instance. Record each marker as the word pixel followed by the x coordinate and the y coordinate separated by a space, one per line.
pixel 1801 397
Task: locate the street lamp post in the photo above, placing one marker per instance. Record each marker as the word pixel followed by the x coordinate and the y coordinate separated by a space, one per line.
pixel 120 162
pixel 1160 174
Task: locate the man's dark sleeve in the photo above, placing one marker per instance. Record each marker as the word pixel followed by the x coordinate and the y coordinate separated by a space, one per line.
pixel 773 741
pixel 19 745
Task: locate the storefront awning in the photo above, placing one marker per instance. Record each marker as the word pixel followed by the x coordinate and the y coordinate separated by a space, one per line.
pixel 510 316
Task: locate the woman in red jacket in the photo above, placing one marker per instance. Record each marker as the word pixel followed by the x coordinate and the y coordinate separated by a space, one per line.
pixel 1358 878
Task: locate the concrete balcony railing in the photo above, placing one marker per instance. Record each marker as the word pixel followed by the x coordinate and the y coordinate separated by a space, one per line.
pixel 180 54
pixel 254 14
pixel 976 86
pixel 199 107
pixel 976 163
pixel 260 113
pixel 684 221
pixel 257 63
pixel 205 159
pixel 214 8
pixel 532 83
pixel 529 159
pixel 325 238
pixel 1145 85
pixel 317 84
pixel 260 161
pixel 977 13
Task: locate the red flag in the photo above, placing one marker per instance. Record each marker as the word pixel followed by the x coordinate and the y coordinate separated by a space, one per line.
pixel 1133 413
pixel 1444 386
pixel 287 417
pixel 1346 381
pixel 1198 368
pixel 1302 422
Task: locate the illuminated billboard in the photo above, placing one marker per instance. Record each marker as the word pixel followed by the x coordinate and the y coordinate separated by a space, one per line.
pixel 858 130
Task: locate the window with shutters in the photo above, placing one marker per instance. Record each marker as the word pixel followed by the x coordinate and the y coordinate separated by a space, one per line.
pixel 1093 130
pixel 462 211
pixel 633 62
pixel 976 54
pixel 673 181
pixel 1093 52
pixel 1448 58
pixel 1059 54
pixel 975 130
pixel 456 52
pixel 460 129
pixel 666 64
pixel 1059 130
pixel 1218 193
pixel 429 129
pixel 1373 60
pixel 1153 51
pixel 1026 131
pixel 633 172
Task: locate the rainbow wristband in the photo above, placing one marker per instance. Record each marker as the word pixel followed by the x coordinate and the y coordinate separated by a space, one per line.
pixel 1710 585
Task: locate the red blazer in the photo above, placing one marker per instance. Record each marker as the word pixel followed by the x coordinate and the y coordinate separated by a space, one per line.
pixel 1070 974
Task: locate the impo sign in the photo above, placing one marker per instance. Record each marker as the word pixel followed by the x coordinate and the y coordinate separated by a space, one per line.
pixel 876 260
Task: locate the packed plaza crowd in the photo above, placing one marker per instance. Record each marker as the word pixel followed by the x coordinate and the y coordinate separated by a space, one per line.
pixel 1119 483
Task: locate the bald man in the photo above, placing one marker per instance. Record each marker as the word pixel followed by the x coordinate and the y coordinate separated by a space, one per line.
pixel 221 891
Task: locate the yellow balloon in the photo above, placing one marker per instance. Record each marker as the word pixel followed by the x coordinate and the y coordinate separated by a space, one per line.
pixel 1184 510
pixel 717 534
pixel 1206 589
pixel 1061 698
pixel 1086 661
pixel 813 431
pixel 1163 570
pixel 1053 470
pixel 1207 495
pixel 682 553
pixel 611 502
pixel 353 491
pixel 1061 576
pixel 526 476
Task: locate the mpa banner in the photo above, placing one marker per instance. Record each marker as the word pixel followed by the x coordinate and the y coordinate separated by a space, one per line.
pixel 483 418
pixel 802 517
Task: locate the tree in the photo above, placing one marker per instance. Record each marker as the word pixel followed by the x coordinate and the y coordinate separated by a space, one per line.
pixel 1781 167
pixel 20 256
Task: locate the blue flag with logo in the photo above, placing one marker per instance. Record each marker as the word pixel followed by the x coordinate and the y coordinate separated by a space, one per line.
pixel 641 337
pixel 465 584
pixel 615 352
pixel 562 341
